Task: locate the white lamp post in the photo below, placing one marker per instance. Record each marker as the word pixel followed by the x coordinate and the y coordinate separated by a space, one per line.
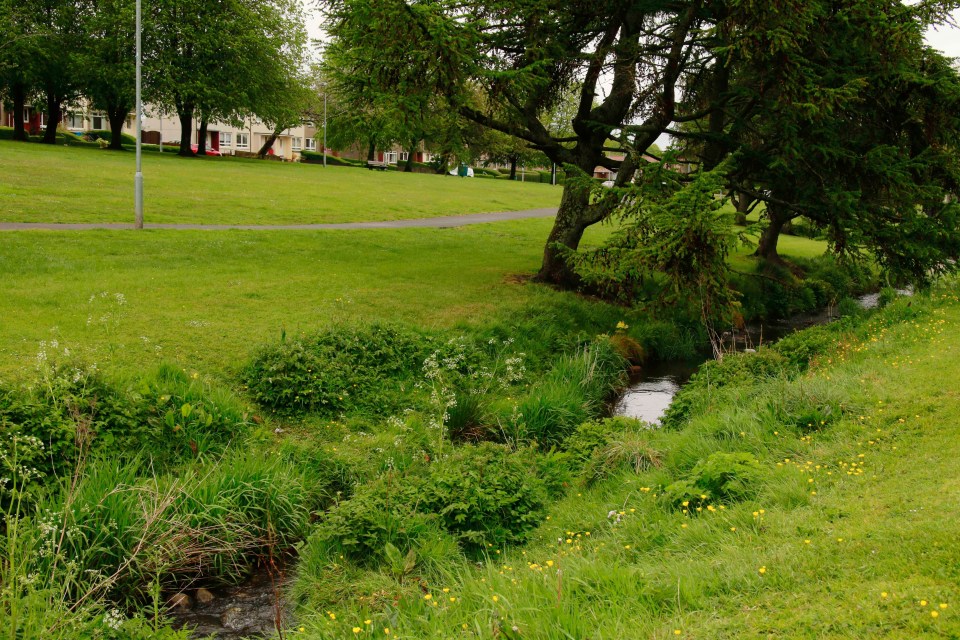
pixel 138 178
pixel 324 85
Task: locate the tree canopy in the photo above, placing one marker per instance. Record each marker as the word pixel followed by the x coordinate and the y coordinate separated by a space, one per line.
pixel 832 110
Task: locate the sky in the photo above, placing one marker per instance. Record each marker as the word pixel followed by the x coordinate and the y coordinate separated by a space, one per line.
pixel 946 38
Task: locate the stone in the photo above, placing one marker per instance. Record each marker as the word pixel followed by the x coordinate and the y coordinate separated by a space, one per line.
pixel 234 619
pixel 180 601
pixel 204 596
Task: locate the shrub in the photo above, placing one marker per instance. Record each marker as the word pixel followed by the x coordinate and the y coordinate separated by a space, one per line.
pixel 384 511
pixel 742 369
pixel 722 476
pixel 338 370
pixel 107 135
pixel 486 495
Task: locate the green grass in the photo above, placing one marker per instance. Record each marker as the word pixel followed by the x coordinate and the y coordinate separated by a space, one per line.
pixel 850 535
pixel 72 184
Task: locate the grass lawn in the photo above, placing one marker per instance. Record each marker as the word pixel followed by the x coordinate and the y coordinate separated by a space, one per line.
pixel 72 184
pixel 204 299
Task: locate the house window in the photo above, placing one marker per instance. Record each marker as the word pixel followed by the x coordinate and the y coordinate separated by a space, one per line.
pixel 97 122
pixel 404 156
pixel 297 143
pixel 226 139
pixel 43 119
pixel 390 157
pixel 243 141
pixel 26 114
pixel 75 121
pixel 311 144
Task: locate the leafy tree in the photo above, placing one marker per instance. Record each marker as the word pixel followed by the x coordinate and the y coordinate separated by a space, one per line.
pixel 55 60
pixel 19 38
pixel 221 60
pixel 766 83
pixel 107 61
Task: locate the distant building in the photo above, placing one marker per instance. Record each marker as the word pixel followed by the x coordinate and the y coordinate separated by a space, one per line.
pixel 222 137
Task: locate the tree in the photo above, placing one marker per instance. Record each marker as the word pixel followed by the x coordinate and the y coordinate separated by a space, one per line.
pixel 108 64
pixel 523 54
pixel 56 60
pixel 221 60
pixel 752 75
pixel 19 38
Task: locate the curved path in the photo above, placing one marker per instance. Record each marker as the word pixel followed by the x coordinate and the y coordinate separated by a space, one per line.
pixel 442 222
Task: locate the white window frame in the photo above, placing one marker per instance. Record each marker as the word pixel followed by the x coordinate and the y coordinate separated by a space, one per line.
pixel 226 139
pixel 310 144
pixel 404 156
pixel 26 115
pixel 297 143
pixel 390 157
pixel 73 119
pixel 43 119
pixel 93 122
pixel 243 141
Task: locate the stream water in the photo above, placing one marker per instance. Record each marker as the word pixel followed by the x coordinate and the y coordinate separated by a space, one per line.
pixel 651 388
pixel 252 609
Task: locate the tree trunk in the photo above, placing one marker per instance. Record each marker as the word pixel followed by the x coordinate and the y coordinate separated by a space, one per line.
pixel 513 167
pixel 53 118
pixel 742 202
pixel 767 247
pixel 19 104
pixel 573 217
pixel 268 143
pixel 202 138
pixel 371 150
pixel 408 168
pixel 185 114
pixel 116 116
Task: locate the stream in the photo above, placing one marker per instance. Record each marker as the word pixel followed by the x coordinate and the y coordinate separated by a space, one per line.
pixel 254 608
pixel 651 388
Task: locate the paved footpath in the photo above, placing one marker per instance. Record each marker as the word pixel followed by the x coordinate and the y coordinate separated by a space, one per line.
pixel 440 222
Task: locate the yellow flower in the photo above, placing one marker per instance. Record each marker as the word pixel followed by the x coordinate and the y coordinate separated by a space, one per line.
pixel 943 605
pixel 677 632
pixel 333 616
pixel 446 589
pixel 367 621
pixel 357 629
pixel 386 631
pixel 452 599
pixel 762 570
pixel 427 597
pixel 496 598
pixel 883 594
pixel 923 603
pixel 622 325
pixel 934 614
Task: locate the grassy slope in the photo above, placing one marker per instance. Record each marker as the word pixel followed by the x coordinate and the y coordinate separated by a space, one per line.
pixel 854 536
pixel 207 297
pixel 70 184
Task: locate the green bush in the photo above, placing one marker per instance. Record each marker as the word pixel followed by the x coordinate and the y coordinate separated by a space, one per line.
pixel 107 135
pixel 312 157
pixel 603 447
pixel 724 477
pixel 740 369
pixel 486 495
pixel 339 370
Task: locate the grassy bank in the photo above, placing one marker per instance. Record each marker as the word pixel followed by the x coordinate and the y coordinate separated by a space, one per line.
pixel 801 493
pixel 73 184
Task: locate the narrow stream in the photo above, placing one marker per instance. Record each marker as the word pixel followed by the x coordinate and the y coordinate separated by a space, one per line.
pixel 651 389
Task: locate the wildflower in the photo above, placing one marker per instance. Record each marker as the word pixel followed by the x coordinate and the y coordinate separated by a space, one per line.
pixel 427 597
pixel 883 594
pixel 943 605
pixel 367 621
pixel 934 614
pixel 357 629
pixel 677 632
pixel 446 589
pixel 496 598
pixel 923 603
pixel 733 528
pixel 622 325
pixel 762 570
pixel 386 631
